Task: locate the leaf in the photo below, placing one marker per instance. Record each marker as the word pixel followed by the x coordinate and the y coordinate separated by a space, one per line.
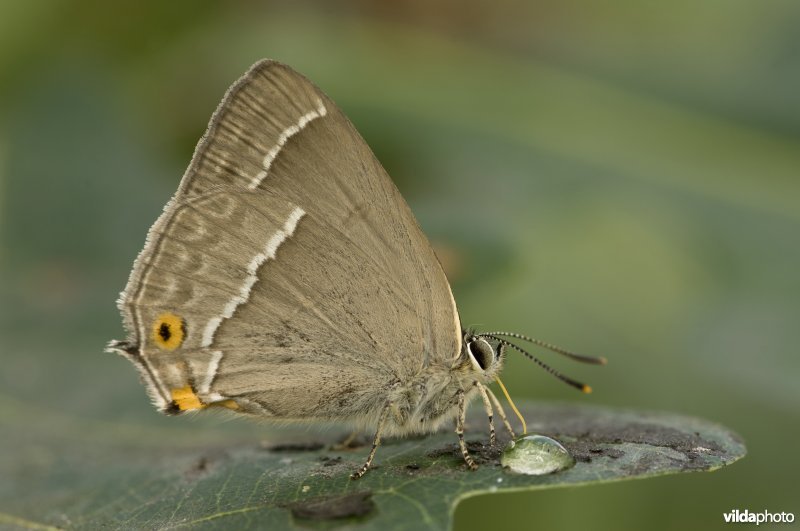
pixel 164 480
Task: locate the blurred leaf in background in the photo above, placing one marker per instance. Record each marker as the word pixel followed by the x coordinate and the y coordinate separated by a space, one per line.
pixel 620 178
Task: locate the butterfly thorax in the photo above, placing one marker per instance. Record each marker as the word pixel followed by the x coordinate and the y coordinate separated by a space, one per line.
pixel 423 403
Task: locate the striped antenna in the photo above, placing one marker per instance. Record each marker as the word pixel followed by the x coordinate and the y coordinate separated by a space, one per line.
pixel 566 379
pixel 595 360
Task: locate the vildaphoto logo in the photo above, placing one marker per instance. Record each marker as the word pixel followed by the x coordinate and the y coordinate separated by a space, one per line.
pixel 764 517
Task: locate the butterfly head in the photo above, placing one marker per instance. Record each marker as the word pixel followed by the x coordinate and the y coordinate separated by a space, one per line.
pixel 486 351
pixel 482 355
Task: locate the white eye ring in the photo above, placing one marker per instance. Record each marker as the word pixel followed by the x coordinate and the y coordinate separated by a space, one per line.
pixel 482 352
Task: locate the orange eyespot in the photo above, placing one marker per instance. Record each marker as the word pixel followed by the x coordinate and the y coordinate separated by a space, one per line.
pixel 169 331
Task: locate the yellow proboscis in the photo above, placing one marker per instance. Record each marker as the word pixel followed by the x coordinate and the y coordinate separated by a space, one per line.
pixel 511 403
pixel 169 331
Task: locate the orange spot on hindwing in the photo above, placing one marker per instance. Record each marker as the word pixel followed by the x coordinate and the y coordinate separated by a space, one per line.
pixel 186 399
pixel 169 331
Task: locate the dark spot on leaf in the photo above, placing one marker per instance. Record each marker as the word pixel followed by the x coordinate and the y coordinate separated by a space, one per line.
pixel 481 452
pixel 204 464
pixel 198 468
pixel 201 465
pixel 412 466
pixel 330 507
pixel 441 452
pixel 330 461
pixel 311 446
pixel 584 451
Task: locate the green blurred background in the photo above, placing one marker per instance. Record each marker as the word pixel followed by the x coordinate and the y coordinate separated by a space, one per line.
pixel 620 178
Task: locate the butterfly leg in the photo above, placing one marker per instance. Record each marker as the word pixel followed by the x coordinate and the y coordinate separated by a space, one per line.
pixel 487 406
pixel 502 413
pixel 375 443
pixel 462 413
pixel 347 442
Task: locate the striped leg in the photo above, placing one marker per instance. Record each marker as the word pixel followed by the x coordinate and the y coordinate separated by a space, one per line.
pixel 502 413
pixel 375 443
pixel 462 413
pixel 487 406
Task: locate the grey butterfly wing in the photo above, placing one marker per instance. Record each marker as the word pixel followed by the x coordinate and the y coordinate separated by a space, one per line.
pixel 357 293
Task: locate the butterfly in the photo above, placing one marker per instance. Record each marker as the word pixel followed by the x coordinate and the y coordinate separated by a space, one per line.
pixel 288 279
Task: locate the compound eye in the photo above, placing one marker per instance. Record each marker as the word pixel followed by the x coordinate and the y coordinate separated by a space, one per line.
pixel 481 352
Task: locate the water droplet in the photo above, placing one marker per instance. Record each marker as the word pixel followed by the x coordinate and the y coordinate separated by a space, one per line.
pixel 536 455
